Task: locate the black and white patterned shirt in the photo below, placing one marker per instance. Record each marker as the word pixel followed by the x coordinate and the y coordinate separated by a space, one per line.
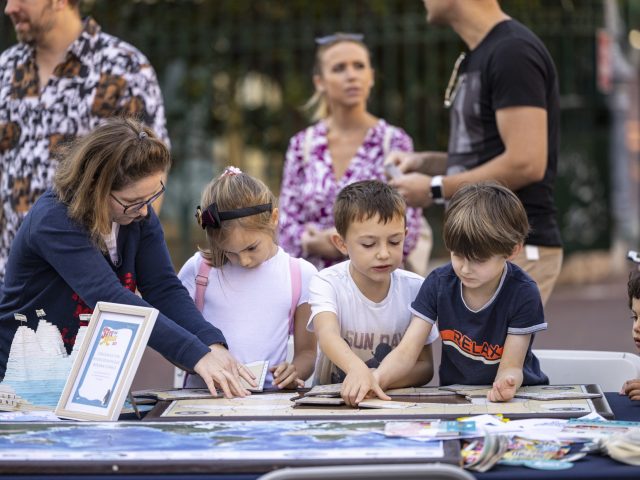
pixel 101 76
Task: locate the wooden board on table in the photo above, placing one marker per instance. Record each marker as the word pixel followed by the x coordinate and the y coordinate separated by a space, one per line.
pixel 281 406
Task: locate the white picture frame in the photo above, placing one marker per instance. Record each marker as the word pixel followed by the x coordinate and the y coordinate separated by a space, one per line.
pixel 106 363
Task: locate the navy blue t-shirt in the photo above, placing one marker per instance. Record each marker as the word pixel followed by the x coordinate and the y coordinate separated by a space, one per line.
pixel 473 341
pixel 510 67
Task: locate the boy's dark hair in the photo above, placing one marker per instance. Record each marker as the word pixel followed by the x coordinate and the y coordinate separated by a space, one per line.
pixel 484 219
pixel 363 200
pixel 633 287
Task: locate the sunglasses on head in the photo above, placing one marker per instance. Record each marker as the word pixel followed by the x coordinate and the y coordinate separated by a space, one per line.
pixel 338 37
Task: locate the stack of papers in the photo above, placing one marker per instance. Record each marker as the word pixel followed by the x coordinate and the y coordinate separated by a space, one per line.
pixel 482 454
pixel 552 455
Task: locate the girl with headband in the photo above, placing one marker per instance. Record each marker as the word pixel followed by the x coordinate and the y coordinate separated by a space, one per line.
pixel 248 286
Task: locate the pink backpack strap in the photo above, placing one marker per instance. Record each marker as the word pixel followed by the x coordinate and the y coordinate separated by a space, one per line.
pixel 202 280
pixel 296 287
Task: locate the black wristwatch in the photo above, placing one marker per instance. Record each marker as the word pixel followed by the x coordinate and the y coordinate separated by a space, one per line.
pixel 437 190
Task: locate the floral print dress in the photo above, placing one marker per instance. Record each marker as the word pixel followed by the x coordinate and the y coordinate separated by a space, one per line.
pixel 309 187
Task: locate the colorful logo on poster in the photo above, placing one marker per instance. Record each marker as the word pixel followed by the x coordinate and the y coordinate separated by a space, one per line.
pixel 108 337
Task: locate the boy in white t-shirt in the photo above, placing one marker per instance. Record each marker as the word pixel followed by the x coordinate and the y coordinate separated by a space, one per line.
pixel 360 307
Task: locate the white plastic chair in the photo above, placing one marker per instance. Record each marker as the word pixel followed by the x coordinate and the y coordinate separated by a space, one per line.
pixel 607 369
pixel 432 471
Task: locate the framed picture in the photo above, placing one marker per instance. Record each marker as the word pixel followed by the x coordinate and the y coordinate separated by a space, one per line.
pixel 107 361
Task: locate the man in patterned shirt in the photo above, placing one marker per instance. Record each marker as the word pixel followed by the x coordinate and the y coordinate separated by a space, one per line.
pixel 60 81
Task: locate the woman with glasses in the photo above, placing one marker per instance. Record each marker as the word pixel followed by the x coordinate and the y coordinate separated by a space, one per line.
pixel 95 237
pixel 345 145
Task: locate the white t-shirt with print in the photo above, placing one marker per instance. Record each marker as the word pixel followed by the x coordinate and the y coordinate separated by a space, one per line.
pixel 372 329
pixel 251 306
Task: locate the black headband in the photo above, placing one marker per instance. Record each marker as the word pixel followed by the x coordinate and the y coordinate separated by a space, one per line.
pixel 211 217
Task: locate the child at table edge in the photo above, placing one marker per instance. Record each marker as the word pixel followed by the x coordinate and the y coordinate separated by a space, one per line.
pixel 631 388
pixel 367 296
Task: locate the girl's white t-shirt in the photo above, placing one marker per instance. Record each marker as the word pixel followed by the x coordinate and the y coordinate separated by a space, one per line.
pixel 251 306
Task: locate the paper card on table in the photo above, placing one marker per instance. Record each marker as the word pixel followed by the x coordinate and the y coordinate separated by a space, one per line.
pixel 419 392
pixel 556 395
pixel 259 370
pixel 378 403
pixel 469 391
pixel 184 394
pixel 318 400
pixel 332 389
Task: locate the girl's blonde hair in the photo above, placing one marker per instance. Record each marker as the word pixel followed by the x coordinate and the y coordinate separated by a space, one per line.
pixel 317 106
pixel 116 154
pixel 230 191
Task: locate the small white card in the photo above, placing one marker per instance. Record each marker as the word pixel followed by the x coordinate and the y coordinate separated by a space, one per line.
pixel 259 370
pixel 532 252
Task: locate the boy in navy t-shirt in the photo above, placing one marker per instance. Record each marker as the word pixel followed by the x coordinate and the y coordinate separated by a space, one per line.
pixel 486 307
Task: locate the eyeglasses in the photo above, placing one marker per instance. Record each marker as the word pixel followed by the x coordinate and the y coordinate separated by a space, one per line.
pixel 339 37
pixel 454 82
pixel 136 207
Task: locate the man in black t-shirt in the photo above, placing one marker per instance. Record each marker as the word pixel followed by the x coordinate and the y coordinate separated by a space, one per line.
pixel 504 126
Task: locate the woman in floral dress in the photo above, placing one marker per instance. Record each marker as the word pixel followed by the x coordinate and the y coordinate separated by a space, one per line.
pixel 347 144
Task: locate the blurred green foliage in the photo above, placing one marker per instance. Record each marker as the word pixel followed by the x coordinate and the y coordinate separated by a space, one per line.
pixel 235 72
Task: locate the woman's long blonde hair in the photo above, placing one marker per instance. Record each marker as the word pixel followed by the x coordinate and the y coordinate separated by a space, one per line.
pixel 317 106
pixel 117 153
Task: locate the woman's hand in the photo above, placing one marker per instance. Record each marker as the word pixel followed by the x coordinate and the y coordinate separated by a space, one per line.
pixel 219 368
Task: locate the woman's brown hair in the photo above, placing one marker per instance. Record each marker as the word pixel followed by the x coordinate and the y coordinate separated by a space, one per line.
pixel 116 154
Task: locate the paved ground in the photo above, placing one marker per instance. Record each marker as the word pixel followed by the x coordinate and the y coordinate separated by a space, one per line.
pixel 589 317
pixel 580 317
